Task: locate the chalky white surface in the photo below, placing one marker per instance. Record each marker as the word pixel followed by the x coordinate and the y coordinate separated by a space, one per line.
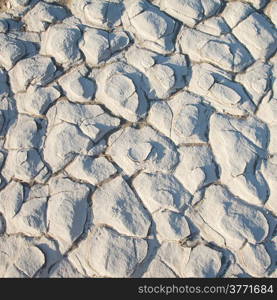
pixel 138 138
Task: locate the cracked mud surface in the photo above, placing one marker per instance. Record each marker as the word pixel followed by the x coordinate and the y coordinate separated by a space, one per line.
pixel 138 138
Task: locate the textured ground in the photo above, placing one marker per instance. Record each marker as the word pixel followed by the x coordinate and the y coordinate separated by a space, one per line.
pixel 138 138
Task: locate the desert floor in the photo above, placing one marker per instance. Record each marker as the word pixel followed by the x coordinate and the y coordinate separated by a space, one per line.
pixel 138 138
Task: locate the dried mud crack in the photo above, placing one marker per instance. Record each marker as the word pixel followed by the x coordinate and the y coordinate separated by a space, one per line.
pixel 138 138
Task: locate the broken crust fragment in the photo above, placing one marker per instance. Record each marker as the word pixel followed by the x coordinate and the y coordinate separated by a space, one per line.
pixel 169 261
pixel 115 204
pixel 42 15
pixel 258 35
pixel 67 210
pixel 153 28
pixel 254 259
pixel 120 90
pixel 190 12
pixel 19 258
pixel 61 42
pixel 102 14
pixel 99 45
pixel 229 218
pixel 243 143
pixel 161 191
pixel 225 52
pixel 142 149
pixel 181 117
pixel 36 70
pixel 217 87
pixel 164 75
pixel 12 50
pixel 120 254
